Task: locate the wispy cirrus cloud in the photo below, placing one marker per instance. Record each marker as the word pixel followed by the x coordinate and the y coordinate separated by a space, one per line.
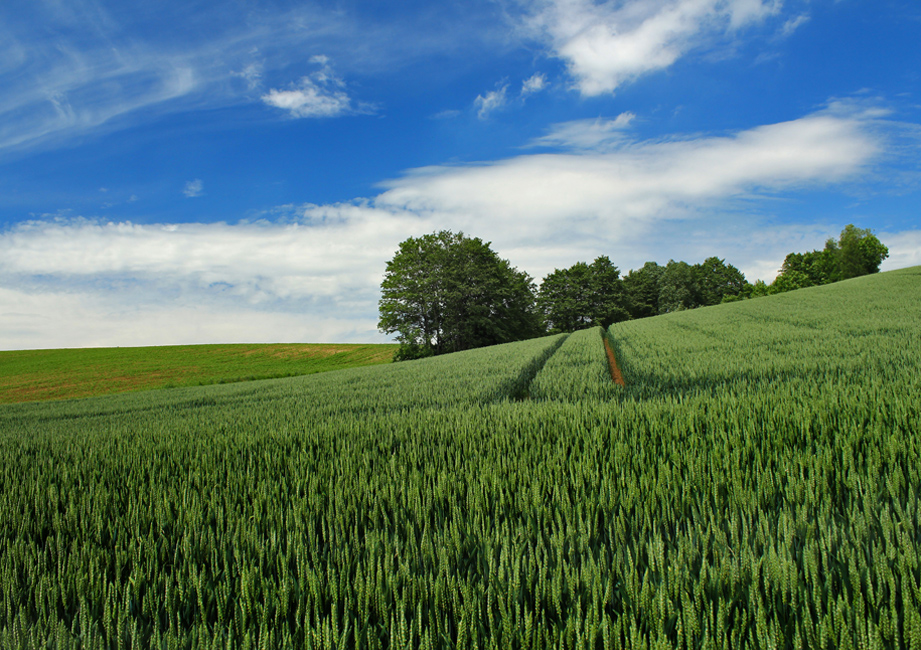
pixel 533 84
pixel 492 101
pixel 76 69
pixel 194 188
pixel 595 135
pixel 793 24
pixel 251 74
pixel 94 66
pixel 498 99
pixel 319 94
pixel 607 44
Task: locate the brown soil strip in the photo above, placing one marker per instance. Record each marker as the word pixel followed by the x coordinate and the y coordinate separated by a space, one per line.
pixel 612 362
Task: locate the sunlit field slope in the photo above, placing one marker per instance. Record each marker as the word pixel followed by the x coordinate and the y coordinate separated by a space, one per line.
pixel 33 375
pixel 755 485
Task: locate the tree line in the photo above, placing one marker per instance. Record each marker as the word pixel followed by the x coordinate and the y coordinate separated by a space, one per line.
pixel 446 292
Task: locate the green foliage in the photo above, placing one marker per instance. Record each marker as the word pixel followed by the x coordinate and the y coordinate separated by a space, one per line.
pixel 582 296
pixel 860 252
pixel 857 252
pixel 678 288
pixel 755 485
pixel 790 281
pixel 642 288
pixel 759 289
pixel 717 281
pixel 445 292
pixel 410 350
pixel 809 269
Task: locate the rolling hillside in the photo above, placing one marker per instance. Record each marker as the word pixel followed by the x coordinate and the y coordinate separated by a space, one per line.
pixel 755 484
pixel 37 375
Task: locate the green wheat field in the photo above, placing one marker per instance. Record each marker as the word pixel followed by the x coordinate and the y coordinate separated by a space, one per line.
pixel 754 485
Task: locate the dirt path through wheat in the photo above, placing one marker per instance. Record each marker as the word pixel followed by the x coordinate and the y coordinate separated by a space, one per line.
pixel 612 362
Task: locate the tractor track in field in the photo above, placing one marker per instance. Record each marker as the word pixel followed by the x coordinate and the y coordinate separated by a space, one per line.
pixel 616 374
pixel 521 387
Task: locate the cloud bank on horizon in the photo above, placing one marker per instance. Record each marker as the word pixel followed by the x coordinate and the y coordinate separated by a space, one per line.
pixel 638 130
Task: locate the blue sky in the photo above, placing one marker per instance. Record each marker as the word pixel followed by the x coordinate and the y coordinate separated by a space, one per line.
pixel 191 172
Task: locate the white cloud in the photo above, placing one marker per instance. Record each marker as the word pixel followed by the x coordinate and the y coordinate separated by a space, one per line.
pixel 594 135
pixel 252 75
pixel 320 94
pixel 490 102
pixel 793 24
pixel 498 99
pixel 32 320
pixel 610 43
pixel 904 249
pixel 194 188
pixel 447 114
pixel 308 100
pixel 311 275
pixel 317 252
pixel 533 84
pixel 631 183
pixel 313 272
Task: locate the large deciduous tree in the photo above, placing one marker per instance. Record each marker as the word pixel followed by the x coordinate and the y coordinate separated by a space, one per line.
pixel 718 281
pixel 678 288
pixel 860 252
pixel 446 292
pixel 582 296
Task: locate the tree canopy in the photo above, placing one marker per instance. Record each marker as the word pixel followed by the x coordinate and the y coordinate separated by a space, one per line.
pixel 718 282
pixel 642 289
pixel 857 252
pixel 446 292
pixel 654 289
pixel 582 296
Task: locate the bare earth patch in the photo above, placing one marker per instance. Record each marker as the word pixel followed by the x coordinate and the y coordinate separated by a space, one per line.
pixel 612 363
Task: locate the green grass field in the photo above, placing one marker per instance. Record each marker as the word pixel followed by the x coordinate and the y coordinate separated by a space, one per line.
pixel 34 375
pixel 755 485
